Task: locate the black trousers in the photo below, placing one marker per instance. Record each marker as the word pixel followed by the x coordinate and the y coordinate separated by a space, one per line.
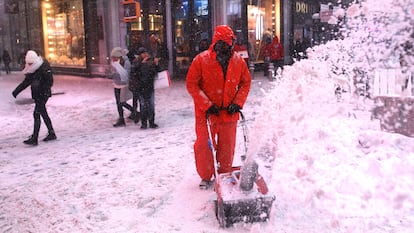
pixel 41 111
pixel 120 105
pixel 135 98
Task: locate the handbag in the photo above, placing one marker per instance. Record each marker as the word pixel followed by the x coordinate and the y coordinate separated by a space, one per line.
pixel 162 80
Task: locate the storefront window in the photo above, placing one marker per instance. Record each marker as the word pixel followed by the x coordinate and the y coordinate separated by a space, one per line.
pixel 192 31
pixel 63 32
pixel 148 30
pixel 263 19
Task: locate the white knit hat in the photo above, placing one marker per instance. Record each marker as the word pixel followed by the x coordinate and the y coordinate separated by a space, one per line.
pixel 116 52
pixel 31 57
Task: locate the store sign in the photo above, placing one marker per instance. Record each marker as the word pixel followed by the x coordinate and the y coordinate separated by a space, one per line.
pixel 11 7
pixel 132 10
pixel 302 7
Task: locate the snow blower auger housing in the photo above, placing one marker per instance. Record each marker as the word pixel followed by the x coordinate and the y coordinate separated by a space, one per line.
pixel 241 195
pixel 235 205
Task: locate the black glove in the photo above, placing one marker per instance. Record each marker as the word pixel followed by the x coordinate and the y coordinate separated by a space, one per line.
pixel 233 108
pixel 14 93
pixel 213 110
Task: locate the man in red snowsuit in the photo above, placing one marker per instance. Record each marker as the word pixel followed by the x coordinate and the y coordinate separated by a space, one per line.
pixel 218 81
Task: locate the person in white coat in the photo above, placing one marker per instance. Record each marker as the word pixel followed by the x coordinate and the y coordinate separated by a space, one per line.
pixel 120 69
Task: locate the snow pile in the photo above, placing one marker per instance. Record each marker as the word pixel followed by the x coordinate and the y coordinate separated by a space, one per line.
pixel 331 160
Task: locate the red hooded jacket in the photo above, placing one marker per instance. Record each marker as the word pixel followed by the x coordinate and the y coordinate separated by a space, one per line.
pixel 273 50
pixel 208 85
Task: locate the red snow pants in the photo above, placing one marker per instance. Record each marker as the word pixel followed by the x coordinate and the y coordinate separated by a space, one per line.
pixel 225 135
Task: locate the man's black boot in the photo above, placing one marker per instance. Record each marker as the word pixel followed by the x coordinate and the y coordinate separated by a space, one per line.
pixel 152 125
pixel 31 141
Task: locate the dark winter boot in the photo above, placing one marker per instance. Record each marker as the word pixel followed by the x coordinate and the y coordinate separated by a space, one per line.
pixel 51 136
pixel 144 121
pixel 120 122
pixel 152 125
pixel 31 141
pixel 135 116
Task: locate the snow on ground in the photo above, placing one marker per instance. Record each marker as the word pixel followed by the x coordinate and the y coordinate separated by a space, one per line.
pixel 328 164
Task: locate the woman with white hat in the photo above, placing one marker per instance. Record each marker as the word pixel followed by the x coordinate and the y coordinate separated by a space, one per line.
pixel 38 75
pixel 120 69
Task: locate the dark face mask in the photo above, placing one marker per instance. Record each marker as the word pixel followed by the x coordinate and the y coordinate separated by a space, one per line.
pixel 223 51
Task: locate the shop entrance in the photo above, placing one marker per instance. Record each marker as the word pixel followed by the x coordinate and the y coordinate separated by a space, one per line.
pixel 149 31
pixel 191 32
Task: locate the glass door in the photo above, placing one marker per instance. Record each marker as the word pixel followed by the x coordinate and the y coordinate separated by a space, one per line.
pixel 191 32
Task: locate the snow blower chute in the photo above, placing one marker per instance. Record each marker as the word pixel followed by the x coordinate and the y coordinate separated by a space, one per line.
pixel 241 195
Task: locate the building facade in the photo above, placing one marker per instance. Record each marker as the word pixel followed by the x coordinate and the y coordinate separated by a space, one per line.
pixel 76 36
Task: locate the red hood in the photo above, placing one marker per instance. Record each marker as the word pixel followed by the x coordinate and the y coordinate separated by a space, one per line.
pixel 224 33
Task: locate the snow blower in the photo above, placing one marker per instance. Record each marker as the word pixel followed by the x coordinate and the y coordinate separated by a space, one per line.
pixel 241 195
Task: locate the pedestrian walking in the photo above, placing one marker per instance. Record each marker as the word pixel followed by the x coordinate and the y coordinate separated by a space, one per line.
pixel 6 61
pixel 120 69
pixel 144 69
pixel 133 87
pixel 38 75
pixel 218 81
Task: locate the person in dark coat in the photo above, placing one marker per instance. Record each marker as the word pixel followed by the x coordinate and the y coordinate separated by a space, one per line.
pixel 6 61
pixel 144 70
pixel 38 75
pixel 133 87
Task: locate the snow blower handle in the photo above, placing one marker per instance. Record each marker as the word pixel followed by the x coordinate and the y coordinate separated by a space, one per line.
pixel 245 133
pixel 211 145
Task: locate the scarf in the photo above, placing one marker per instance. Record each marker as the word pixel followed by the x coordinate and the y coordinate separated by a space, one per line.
pixel 30 69
pixel 121 71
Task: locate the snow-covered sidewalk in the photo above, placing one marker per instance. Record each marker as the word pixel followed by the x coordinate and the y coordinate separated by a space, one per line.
pixel 97 178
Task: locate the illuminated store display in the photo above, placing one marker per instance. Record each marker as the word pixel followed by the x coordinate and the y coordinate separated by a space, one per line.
pixel 63 32
pixel 263 22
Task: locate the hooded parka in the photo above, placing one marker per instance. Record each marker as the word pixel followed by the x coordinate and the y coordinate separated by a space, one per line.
pixel 209 85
